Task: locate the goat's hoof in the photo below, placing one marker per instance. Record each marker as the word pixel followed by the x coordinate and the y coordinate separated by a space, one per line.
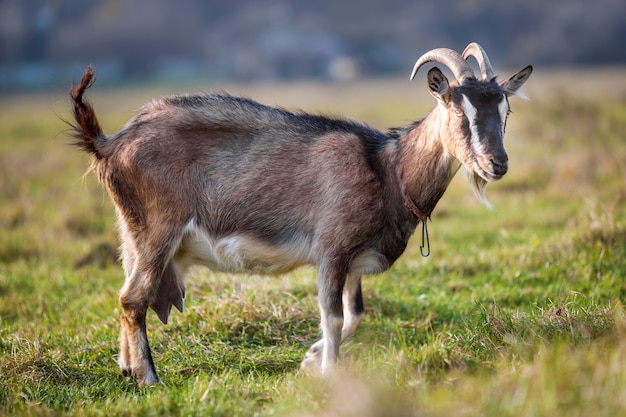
pixel 143 379
pixel 149 381
pixel 312 362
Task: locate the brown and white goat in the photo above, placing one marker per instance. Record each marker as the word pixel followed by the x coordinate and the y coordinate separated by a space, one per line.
pixel 236 186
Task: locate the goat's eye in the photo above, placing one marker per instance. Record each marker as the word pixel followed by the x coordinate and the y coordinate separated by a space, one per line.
pixel 459 113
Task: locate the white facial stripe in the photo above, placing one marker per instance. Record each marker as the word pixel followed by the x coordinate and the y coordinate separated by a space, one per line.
pixel 503 108
pixel 470 112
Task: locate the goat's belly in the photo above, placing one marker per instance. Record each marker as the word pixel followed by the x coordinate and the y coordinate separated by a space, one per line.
pixel 238 253
pixel 242 254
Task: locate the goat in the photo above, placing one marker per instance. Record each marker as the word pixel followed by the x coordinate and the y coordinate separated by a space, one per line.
pixel 237 186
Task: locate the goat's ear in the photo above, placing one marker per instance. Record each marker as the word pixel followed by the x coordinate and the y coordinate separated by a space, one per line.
pixel 438 85
pixel 512 84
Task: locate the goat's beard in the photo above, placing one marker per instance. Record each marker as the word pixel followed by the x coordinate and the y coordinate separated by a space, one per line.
pixel 478 185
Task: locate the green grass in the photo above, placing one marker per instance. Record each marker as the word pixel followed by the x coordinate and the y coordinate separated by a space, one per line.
pixel 517 312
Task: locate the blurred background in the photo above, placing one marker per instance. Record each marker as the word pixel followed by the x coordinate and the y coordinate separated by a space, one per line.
pixel 44 43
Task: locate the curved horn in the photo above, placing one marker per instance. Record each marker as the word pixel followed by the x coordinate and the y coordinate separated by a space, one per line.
pixel 475 50
pixel 459 66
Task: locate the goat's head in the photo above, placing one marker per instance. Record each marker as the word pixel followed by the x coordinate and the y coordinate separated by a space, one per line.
pixel 474 111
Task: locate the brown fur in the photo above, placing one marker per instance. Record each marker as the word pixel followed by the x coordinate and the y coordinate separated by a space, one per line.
pixel 240 187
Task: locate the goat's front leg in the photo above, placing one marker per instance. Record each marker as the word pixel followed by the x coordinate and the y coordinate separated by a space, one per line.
pixel 353 309
pixel 353 313
pixel 135 357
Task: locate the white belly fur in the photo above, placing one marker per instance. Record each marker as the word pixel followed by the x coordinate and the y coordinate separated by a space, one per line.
pixel 245 254
pixel 240 253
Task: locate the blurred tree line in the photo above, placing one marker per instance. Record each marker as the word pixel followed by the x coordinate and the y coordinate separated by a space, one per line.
pixel 42 41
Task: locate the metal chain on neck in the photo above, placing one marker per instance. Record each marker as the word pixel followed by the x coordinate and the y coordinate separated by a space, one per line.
pixel 425 240
pixel 423 218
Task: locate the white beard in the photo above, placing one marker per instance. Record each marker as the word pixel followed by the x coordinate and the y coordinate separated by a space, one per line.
pixel 478 185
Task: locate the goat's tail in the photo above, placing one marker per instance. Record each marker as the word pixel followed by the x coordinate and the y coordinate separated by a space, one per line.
pixel 86 130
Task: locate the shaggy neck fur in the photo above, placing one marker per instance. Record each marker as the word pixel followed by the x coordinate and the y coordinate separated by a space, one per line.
pixel 425 167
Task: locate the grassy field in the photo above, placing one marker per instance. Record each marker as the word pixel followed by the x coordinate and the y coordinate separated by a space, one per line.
pixel 517 312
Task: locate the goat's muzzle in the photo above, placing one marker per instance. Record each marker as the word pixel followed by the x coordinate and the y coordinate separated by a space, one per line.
pixel 499 165
pixel 492 167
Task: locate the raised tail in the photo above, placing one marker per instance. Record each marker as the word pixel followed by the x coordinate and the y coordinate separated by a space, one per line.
pixel 86 130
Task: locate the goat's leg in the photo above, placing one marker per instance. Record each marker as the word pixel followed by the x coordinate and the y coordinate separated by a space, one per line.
pixel 135 341
pixel 353 309
pixel 128 261
pixel 124 358
pixel 330 287
pixel 353 313
pixel 135 356
pixel 146 258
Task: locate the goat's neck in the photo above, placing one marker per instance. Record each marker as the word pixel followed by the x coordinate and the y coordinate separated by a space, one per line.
pixel 425 167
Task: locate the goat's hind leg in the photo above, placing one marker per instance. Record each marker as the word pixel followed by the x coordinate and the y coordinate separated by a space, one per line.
pixel 136 359
pixel 128 261
pixel 135 356
pixel 150 263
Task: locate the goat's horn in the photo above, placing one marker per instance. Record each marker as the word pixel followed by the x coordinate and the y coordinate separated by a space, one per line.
pixel 459 66
pixel 475 50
